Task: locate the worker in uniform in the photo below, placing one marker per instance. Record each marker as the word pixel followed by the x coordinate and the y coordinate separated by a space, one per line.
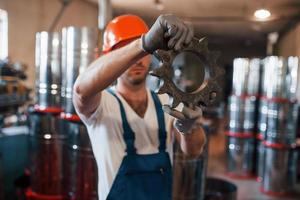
pixel 130 127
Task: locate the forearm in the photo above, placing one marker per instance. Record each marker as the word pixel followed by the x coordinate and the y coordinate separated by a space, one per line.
pixel 106 69
pixel 192 143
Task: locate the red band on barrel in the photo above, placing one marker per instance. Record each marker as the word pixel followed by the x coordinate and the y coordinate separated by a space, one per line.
pixel 275 194
pixel 239 134
pixel 247 176
pixel 260 136
pixel 30 195
pixel 70 117
pixel 246 96
pixel 42 109
pixel 278 100
pixel 278 145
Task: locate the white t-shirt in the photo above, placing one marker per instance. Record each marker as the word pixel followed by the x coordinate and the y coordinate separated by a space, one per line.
pixel 106 135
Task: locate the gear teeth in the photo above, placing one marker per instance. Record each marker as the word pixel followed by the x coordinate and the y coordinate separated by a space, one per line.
pixel 156 72
pixel 165 73
pixel 174 102
pixel 163 89
pixel 164 56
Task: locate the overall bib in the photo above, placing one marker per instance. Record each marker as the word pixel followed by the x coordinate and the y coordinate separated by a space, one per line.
pixel 143 177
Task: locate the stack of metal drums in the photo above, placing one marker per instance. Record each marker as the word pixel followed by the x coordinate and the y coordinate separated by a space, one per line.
pixel 243 106
pixel 46 140
pixel 80 170
pixel 62 162
pixel 278 125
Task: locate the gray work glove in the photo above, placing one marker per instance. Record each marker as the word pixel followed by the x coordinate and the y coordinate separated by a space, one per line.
pixel 168 32
pixel 186 120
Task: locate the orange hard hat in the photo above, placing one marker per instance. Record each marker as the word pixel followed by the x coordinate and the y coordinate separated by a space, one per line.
pixel 122 28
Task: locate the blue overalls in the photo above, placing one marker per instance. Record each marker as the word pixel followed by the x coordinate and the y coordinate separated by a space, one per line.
pixel 143 177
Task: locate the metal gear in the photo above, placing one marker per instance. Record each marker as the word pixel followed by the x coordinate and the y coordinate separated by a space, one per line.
pixel 203 96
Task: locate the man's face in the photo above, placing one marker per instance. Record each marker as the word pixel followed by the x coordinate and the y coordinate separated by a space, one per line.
pixel 137 73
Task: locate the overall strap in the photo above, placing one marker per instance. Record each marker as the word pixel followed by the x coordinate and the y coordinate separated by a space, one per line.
pixel 162 134
pixel 128 134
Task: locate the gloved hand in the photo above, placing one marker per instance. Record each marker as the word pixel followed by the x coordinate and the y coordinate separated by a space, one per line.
pixel 187 120
pixel 168 32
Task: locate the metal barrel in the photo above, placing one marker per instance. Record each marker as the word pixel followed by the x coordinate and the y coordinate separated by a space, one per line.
pixel 48 70
pixel 262 116
pixel 240 161
pixel 80 170
pixel 250 114
pixel 240 76
pixel 218 189
pixel 254 77
pixel 293 77
pixel 1 178
pixel 246 76
pixel 282 122
pixel 279 176
pixel 236 114
pixel 46 153
pixel 281 76
pixel 189 175
pixel 78 51
pixel 260 153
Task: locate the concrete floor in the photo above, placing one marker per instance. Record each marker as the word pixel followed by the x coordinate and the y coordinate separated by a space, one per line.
pixel 247 189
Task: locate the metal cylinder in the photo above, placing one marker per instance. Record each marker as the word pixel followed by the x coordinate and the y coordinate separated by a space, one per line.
pixel 262 116
pixel 1 178
pixel 48 70
pixel 246 76
pixel 78 51
pixel 46 152
pixel 189 175
pixel 279 176
pixel 281 77
pixel 240 160
pixel 282 122
pixel 250 114
pixel 254 77
pixel 240 76
pixel 218 189
pixel 260 153
pixel 236 113
pixel 80 170
pixel 242 114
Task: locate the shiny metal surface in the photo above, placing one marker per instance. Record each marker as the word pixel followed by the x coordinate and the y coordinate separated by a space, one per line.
pixel 209 91
pixel 253 84
pixel 78 51
pixel 262 116
pixel 260 153
pixel 281 77
pixel 246 76
pixel 80 169
pixel 48 69
pixel 282 122
pixel 236 113
pixel 189 175
pixel 240 156
pixel 279 176
pixel 242 114
pixel 250 114
pixel 219 189
pixel 46 152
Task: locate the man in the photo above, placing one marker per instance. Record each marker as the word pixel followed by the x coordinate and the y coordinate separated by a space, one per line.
pixel 127 125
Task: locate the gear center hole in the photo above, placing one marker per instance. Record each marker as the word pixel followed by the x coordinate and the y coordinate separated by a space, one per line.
pixel 190 74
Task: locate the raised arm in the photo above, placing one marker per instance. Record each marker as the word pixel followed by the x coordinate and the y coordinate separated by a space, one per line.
pixel 103 72
pixel 168 32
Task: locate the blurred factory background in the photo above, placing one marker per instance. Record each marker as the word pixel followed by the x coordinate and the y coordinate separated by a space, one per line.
pixel 253 149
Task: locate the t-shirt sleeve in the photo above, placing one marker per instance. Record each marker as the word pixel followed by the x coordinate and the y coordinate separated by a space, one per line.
pixel 105 102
